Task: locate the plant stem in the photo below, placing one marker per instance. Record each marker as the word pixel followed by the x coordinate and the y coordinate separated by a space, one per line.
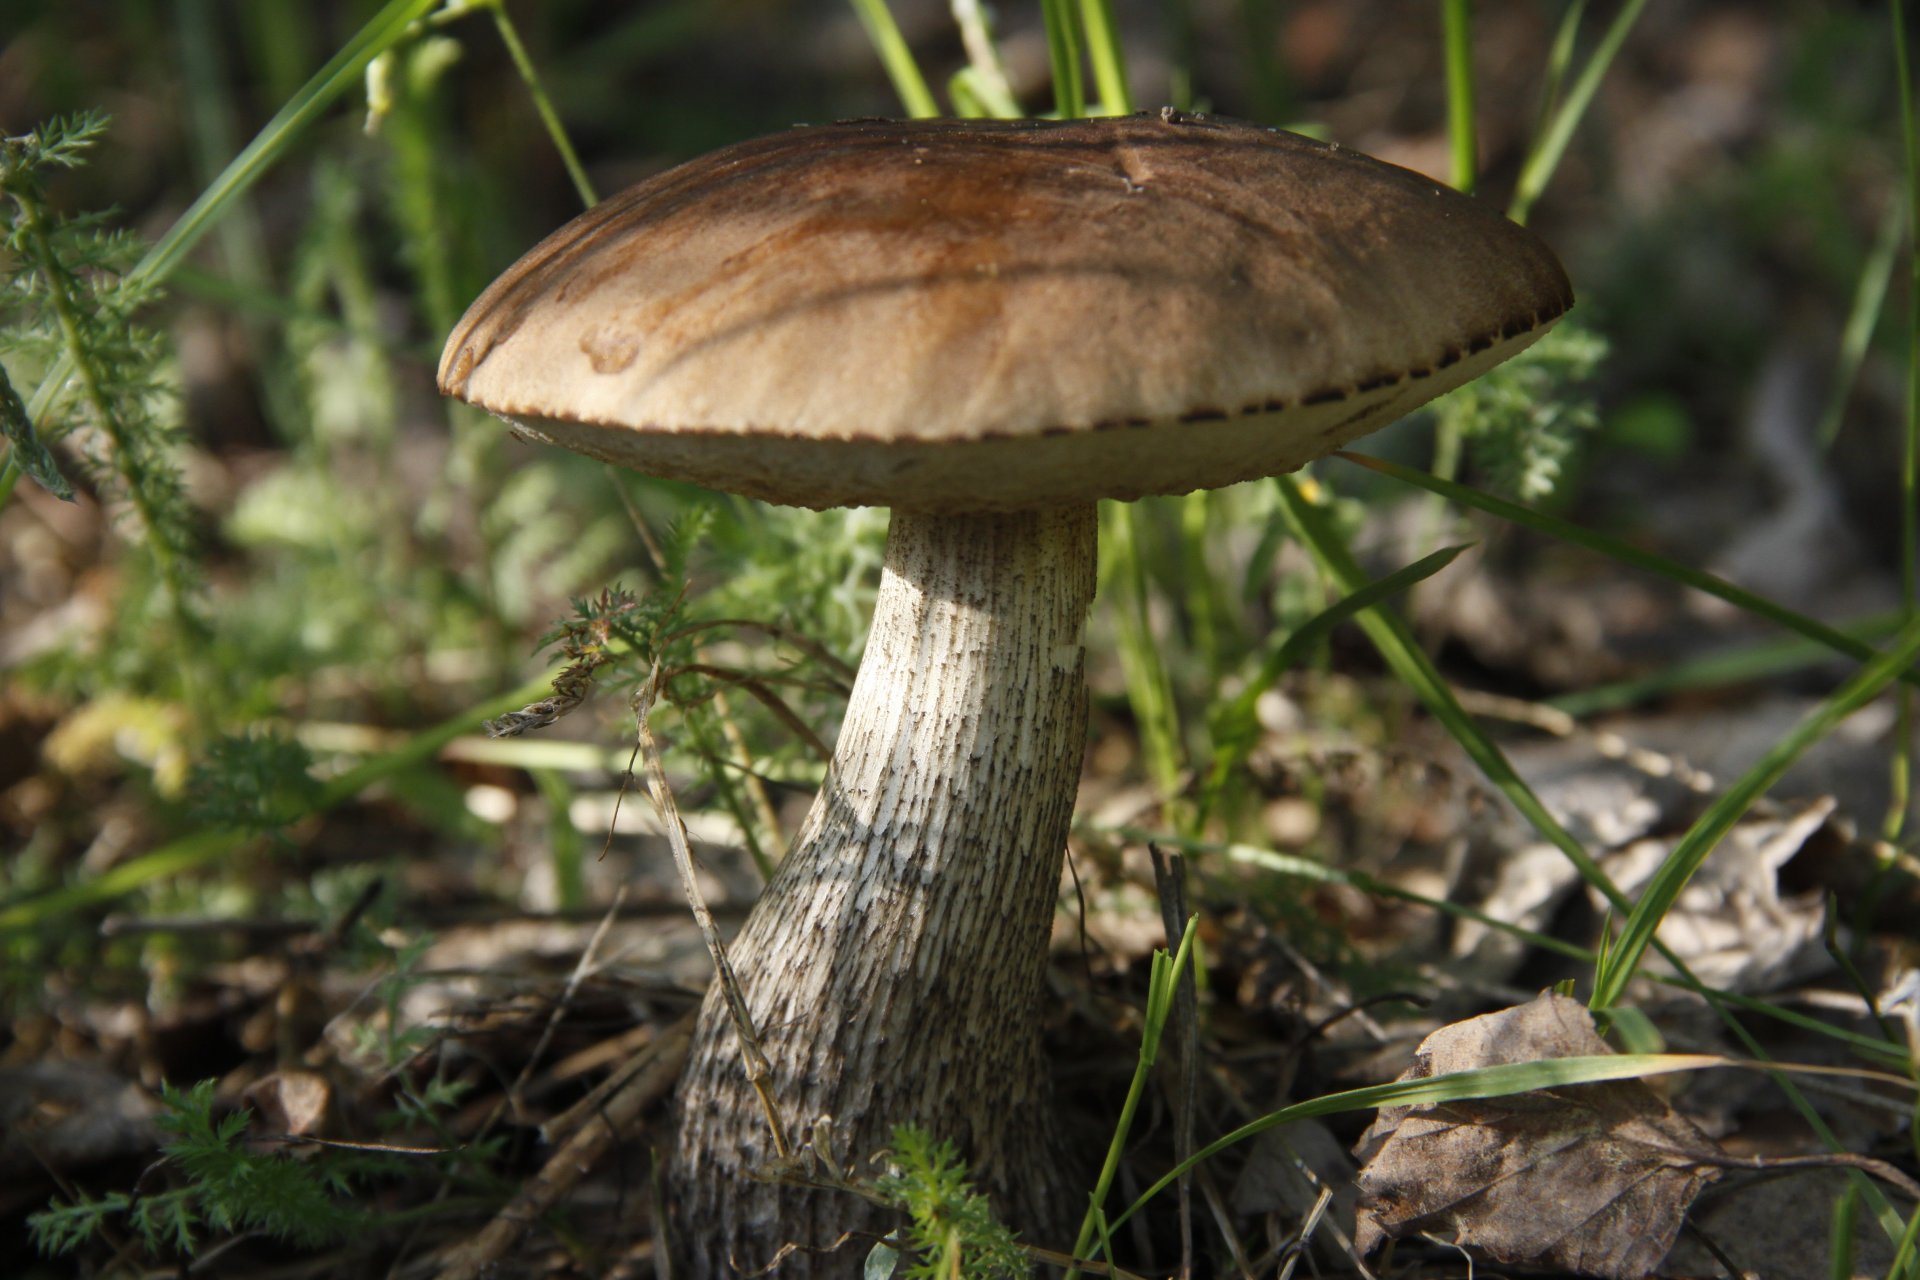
pixel 160 533
pixel 530 75
pixel 1161 989
pixel 1109 59
pixel 1552 144
pixel 897 58
pixel 1063 55
pixel 989 80
pixel 1457 18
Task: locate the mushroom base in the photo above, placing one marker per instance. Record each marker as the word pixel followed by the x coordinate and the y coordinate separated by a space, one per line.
pixel 894 967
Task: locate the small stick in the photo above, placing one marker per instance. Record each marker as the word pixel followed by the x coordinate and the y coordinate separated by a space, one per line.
pixel 759 1073
pixel 480 1254
pixel 580 970
pixel 1611 746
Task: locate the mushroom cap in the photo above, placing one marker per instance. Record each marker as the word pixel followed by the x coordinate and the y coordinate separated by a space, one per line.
pixel 951 315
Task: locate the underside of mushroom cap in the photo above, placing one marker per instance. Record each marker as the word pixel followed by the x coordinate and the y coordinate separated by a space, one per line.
pixel 974 315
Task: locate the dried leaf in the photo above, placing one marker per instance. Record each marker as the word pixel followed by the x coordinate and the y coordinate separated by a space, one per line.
pixel 289 1104
pixel 1591 1178
pixel 1731 924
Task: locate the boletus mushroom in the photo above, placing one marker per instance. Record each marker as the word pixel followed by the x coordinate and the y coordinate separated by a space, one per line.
pixel 988 327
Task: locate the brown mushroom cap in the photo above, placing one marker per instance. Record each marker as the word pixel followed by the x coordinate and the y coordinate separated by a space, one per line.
pixel 981 315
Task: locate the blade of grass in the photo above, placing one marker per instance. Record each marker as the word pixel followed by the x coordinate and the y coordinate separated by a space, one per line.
pixel 985 75
pixel 1209 613
pixel 1551 146
pixel 1178 15
pixel 1886 1056
pixel 1161 988
pixel 242 242
pixel 1627 554
pixel 1109 59
pixel 1484 1082
pixel 542 104
pixel 1273 98
pixel 897 58
pixel 1063 56
pixel 1149 685
pixel 1457 23
pixel 1559 62
pixel 1235 725
pixel 1736 665
pixel 1846 1212
pixel 1869 299
pixel 1617 969
pixel 1389 636
pixel 566 850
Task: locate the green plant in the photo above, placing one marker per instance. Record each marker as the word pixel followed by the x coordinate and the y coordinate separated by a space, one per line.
pixel 72 298
pixel 1523 420
pixel 225 1187
pixel 951 1231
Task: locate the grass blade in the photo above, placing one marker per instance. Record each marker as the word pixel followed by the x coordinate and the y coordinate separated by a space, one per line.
pixel 1902 764
pixel 1403 656
pixel 1627 554
pixel 1617 966
pixel 1235 726
pixel 985 75
pixel 1484 1082
pixel 1109 59
pixel 1863 317
pixel 542 104
pixel 1142 662
pixel 1742 664
pixel 1552 144
pixel 1063 55
pixel 1161 988
pixel 897 58
pixel 1457 23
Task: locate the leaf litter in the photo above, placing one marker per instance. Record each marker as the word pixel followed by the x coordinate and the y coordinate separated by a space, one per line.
pixel 1593 1178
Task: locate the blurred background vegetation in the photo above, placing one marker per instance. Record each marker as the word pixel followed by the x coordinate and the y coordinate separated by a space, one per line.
pixel 245 667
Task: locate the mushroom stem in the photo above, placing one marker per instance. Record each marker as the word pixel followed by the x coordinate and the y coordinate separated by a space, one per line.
pixel 894 966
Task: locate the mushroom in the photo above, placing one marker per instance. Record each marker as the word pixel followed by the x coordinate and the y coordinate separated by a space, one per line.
pixel 986 326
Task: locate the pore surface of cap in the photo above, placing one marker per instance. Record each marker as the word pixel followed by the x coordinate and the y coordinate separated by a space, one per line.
pixel 968 315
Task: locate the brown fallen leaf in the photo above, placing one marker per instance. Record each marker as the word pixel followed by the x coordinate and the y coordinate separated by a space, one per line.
pixel 287 1104
pixel 1731 923
pixel 1590 1178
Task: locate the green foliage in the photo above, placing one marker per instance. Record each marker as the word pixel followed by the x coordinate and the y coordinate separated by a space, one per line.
pixel 228 1188
pixel 257 782
pixel 952 1230
pixel 615 626
pixel 36 460
pixel 1522 420
pixel 391 1041
pixel 72 297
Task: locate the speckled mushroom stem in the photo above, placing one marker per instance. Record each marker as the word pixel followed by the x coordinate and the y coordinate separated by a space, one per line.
pixel 895 964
